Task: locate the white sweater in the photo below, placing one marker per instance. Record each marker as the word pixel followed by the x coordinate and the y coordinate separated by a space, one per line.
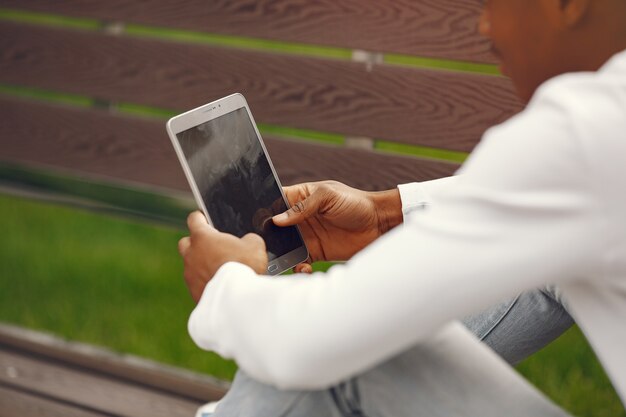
pixel 542 200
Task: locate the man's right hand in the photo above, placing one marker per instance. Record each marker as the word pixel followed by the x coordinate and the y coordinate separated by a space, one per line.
pixel 338 221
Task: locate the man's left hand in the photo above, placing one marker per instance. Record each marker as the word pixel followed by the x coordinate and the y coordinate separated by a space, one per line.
pixel 207 249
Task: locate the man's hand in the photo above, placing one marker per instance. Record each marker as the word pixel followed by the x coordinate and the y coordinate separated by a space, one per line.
pixel 338 221
pixel 206 250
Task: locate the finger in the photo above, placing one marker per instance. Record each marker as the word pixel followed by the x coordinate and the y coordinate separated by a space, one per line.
pixel 183 245
pixel 291 192
pixel 303 268
pixel 196 221
pixel 295 193
pixel 288 188
pixel 300 211
pixel 254 240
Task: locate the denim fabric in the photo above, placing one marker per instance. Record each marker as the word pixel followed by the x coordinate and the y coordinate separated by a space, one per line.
pixel 517 328
pixel 249 398
pixel 437 378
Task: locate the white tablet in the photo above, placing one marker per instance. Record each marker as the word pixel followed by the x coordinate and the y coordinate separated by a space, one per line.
pixel 232 177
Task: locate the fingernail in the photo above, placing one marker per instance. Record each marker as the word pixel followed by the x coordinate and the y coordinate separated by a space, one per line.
pixel 280 217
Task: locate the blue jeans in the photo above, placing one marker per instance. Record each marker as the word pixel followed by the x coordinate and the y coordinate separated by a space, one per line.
pixel 451 375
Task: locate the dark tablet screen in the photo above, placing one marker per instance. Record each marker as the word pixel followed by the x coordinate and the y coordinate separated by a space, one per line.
pixel 236 181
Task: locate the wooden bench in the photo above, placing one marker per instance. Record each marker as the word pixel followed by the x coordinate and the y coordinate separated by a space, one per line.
pixel 372 93
pixel 47 376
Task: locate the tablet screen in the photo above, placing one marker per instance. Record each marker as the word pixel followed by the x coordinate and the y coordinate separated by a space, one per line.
pixel 236 181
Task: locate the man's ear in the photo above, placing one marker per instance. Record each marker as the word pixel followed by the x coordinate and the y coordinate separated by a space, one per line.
pixel 572 12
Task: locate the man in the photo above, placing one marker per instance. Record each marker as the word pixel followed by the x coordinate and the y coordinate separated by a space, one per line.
pixel 539 202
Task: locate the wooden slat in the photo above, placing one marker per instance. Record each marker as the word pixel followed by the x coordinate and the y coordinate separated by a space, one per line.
pixel 89 390
pixel 301 162
pixel 98 360
pixel 138 150
pixel 90 141
pixel 16 403
pixel 434 28
pixel 432 108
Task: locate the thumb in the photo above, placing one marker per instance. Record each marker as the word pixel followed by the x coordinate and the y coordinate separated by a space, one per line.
pixel 299 212
pixel 254 240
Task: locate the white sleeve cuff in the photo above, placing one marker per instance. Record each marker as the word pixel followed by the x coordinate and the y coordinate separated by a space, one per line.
pixel 203 324
pixel 417 196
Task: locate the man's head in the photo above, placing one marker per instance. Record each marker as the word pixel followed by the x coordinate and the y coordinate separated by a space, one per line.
pixel 539 39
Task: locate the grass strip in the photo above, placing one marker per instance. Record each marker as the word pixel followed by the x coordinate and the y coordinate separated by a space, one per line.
pixel 421 151
pixel 47 19
pixel 144 111
pixel 301 134
pixel 46 95
pixel 241 42
pixel 441 64
pixel 265 129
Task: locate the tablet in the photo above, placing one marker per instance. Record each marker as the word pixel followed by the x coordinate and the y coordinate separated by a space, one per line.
pixel 232 177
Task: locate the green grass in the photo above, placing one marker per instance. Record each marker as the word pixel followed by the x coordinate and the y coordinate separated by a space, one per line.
pixel 568 371
pixel 118 283
pixel 100 280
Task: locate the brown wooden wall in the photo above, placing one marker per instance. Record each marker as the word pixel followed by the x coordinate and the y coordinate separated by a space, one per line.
pixel 406 105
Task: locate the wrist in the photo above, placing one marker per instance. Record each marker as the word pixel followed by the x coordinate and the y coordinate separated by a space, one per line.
pixel 388 207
